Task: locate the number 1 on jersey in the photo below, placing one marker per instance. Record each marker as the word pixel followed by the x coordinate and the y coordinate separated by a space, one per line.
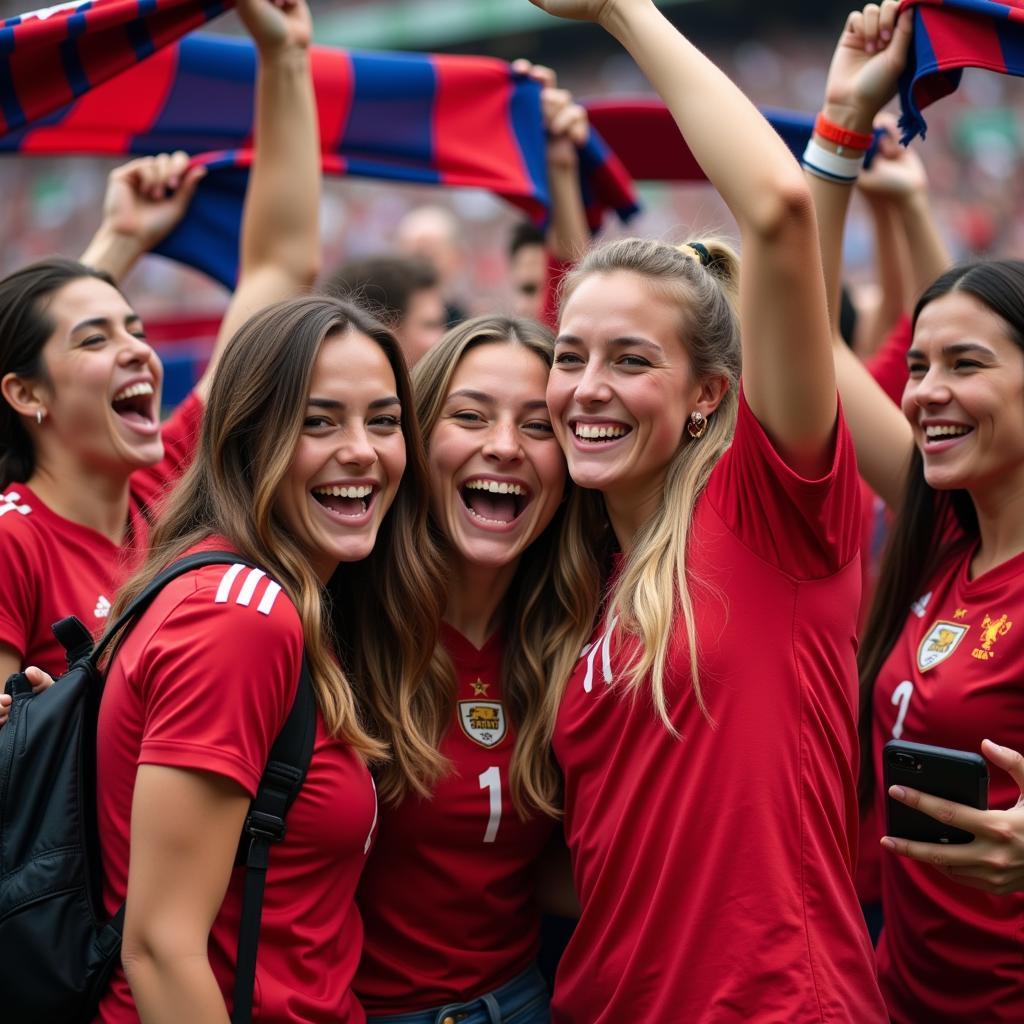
pixel 491 780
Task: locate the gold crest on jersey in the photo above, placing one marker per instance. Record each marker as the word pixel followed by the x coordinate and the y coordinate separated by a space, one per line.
pixel 483 721
pixel 942 640
pixel 991 631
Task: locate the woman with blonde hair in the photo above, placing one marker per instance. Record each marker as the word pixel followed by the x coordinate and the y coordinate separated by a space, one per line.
pixel 458 936
pixel 310 466
pixel 707 736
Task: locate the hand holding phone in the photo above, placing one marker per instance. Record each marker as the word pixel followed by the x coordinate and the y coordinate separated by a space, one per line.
pixel 992 858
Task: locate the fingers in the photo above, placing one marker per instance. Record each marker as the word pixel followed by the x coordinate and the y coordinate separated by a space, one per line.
pixel 970 819
pixel 5 707
pixel 39 679
pixel 1011 761
pixel 572 123
pixel 154 178
pixel 538 72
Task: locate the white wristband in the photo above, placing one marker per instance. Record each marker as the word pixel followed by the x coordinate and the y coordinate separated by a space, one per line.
pixel 831 166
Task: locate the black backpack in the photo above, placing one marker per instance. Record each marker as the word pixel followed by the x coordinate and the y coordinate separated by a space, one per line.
pixel 57 947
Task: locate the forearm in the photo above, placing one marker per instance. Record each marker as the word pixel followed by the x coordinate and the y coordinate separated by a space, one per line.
pixel 929 256
pixel 112 252
pixel 280 226
pixel 739 152
pixel 891 273
pixel 168 989
pixel 568 234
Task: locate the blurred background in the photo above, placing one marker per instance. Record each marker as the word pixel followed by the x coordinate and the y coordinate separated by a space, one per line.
pixel 777 53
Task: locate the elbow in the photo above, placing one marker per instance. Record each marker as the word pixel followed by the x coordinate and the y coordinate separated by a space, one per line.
pixel 787 209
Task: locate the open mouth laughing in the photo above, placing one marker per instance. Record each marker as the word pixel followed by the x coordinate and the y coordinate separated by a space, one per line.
pixel 493 502
pixel 347 503
pixel 598 433
pixel 135 406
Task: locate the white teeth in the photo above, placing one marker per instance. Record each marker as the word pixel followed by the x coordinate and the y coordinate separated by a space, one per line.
pixel 934 431
pixel 493 486
pixel 132 391
pixel 592 431
pixel 345 492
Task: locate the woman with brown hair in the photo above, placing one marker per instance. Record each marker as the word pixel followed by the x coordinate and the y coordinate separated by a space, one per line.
pixel 310 466
pixel 451 890
pixel 83 457
pixel 707 736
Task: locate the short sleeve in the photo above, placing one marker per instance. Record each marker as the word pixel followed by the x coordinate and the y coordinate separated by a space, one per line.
pixel 217 680
pixel 180 434
pixel 21 580
pixel 808 529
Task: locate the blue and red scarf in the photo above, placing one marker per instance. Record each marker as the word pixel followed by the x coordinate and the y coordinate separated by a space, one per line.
pixel 107 77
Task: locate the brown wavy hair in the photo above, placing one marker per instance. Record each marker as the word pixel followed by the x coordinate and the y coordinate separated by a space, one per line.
pixel 374 625
pixel 546 624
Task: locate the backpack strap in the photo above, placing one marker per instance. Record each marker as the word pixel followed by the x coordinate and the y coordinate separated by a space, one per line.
pixel 282 779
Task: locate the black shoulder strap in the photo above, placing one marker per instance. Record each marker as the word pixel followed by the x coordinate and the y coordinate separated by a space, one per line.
pixel 282 779
pixel 265 825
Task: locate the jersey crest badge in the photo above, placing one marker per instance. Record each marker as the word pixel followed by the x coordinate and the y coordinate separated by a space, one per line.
pixel 991 631
pixel 483 721
pixel 941 641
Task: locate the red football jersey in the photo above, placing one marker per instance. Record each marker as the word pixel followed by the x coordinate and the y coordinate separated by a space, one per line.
pixel 53 567
pixel 448 896
pixel 205 681
pixel 715 868
pixel 956 675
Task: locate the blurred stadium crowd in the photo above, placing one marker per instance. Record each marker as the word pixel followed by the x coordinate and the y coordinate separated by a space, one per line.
pixel 971 154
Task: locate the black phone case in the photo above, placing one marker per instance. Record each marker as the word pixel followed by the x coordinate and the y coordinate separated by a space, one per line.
pixel 957 775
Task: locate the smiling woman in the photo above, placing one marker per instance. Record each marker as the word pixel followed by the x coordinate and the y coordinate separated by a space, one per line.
pixel 84 459
pixel 472 841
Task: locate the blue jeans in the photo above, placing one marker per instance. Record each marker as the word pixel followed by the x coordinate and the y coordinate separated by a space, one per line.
pixel 523 1000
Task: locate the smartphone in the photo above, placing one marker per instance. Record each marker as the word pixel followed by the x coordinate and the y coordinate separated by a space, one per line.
pixel 956 775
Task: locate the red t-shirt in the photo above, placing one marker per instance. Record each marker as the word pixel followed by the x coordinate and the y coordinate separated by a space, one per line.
pixel 449 893
pixel 715 869
pixel 205 681
pixel 949 952
pixel 52 567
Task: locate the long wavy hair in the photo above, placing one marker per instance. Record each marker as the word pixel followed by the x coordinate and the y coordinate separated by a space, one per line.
pixel 655 584
pixel 25 327
pixel 931 525
pixel 545 622
pixel 374 625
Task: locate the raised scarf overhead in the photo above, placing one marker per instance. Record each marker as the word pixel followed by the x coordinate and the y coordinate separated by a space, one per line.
pixel 950 35
pixel 445 120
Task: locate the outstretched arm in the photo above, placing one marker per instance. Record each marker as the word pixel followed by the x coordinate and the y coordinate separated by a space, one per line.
pixel 280 248
pixel 862 77
pixel 788 374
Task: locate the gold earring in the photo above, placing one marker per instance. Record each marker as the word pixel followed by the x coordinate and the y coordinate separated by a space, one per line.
pixel 696 425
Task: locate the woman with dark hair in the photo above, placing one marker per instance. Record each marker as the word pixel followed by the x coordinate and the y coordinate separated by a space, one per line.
pixel 458 937
pixel 310 465
pixel 941 659
pixel 83 459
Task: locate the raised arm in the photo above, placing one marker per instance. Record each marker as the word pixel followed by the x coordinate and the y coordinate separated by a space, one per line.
pixel 280 246
pixel 862 78
pixel 145 200
pixel 787 366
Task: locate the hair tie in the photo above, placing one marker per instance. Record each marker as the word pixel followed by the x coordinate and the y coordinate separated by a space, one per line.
pixel 702 252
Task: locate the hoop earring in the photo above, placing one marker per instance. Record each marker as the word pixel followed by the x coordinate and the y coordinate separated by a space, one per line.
pixel 696 425
pixel 40 416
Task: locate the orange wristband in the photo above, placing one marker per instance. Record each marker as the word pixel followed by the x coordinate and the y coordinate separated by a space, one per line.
pixel 843 137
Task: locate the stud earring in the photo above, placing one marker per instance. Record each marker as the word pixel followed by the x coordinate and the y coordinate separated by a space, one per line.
pixel 696 425
pixel 40 416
